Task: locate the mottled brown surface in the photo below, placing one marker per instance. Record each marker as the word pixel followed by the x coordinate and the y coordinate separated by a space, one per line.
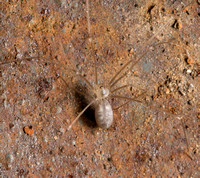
pixel 45 39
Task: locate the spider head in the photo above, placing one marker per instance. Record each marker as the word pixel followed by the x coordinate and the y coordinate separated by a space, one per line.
pixel 102 92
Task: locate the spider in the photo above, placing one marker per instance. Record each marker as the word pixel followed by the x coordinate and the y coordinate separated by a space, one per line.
pixel 101 94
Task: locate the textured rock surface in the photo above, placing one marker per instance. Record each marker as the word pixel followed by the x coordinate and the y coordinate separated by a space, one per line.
pixel 159 136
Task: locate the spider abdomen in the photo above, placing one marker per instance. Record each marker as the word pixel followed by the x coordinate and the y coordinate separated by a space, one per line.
pixel 103 114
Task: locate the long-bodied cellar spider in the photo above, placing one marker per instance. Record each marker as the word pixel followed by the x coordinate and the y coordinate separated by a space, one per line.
pixel 103 109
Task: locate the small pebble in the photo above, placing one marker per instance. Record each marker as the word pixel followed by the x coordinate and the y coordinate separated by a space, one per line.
pixel 58 109
pixel 45 139
pixel 28 130
pixel 9 157
pixel 131 50
pixel 167 91
pixel 190 61
pixel 62 130
pixel 37 163
pixel 191 85
pixel 73 142
pixel 189 71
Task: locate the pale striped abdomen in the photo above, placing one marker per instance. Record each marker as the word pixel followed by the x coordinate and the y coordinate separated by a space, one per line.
pixel 104 114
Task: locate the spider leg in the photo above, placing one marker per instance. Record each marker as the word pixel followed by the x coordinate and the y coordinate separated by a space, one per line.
pixel 82 93
pixel 79 75
pixel 89 32
pixel 121 105
pixel 88 17
pixel 115 76
pixel 9 62
pixel 145 52
pixel 119 88
pixel 126 98
pixel 76 119
pixel 118 80
pixel 89 84
pixel 113 81
pixel 89 28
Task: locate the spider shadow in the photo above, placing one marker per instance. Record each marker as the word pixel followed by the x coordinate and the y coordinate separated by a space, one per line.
pixel 88 117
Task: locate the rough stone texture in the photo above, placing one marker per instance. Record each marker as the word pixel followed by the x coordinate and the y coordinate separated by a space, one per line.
pixel 41 40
